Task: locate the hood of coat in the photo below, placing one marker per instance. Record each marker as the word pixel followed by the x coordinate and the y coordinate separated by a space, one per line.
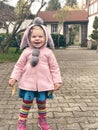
pixel 25 39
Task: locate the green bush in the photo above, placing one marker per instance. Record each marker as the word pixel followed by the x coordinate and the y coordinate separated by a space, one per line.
pixel 2 35
pixel 13 42
pixel 59 40
pixel 94 35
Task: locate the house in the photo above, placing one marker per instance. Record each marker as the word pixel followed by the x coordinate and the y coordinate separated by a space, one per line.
pixel 91 6
pixel 5 12
pixel 7 16
pixel 53 23
pixel 72 17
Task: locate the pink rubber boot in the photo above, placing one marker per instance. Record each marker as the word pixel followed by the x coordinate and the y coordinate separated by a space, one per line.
pixel 21 125
pixel 42 123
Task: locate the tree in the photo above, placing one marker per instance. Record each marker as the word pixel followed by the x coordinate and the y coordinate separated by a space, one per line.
pixel 74 28
pixel 94 34
pixel 21 8
pixel 71 3
pixel 53 5
pixel 16 20
pixel 61 16
pixel 95 24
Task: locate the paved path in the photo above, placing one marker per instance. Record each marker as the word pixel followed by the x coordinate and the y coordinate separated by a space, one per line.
pixel 75 106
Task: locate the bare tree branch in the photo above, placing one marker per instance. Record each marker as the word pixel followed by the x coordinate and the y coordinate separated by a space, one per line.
pixel 42 5
pixel 7 17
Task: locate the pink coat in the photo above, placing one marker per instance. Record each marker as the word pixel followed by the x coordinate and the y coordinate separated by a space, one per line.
pixel 43 76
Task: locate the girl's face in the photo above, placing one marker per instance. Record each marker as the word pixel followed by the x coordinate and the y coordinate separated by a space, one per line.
pixel 37 37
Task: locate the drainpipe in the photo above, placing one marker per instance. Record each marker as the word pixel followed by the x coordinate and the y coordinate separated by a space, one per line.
pixel 88 5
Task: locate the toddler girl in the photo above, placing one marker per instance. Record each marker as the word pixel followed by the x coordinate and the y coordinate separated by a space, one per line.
pixel 37 73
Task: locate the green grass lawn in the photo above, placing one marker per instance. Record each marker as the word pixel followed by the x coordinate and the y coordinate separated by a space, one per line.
pixel 11 56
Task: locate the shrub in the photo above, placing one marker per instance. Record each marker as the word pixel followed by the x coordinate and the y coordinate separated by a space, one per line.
pixel 2 35
pixel 59 40
pixel 94 34
pixel 13 42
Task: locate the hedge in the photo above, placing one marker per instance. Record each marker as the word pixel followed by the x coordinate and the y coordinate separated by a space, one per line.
pixel 59 40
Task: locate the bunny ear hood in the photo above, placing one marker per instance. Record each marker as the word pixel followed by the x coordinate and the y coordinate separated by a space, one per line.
pixel 25 41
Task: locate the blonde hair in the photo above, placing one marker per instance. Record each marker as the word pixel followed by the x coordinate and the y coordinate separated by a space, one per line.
pixel 37 27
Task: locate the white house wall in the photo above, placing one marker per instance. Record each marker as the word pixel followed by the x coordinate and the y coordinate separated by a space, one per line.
pixel 10 28
pixel 92 11
pixel 60 28
pixel 2 30
pixel 25 24
pixel 90 25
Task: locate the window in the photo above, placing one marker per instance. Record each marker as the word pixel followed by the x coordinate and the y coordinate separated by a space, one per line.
pixel 54 28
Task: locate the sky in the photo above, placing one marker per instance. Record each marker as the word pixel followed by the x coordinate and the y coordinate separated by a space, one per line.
pixel 13 3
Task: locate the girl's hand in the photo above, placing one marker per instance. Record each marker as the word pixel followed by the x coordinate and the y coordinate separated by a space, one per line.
pixel 56 86
pixel 12 82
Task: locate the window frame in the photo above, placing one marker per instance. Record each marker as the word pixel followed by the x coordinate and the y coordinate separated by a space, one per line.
pixel 54 28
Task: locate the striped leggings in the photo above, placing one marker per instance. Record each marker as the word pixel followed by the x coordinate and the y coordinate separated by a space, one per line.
pixel 24 111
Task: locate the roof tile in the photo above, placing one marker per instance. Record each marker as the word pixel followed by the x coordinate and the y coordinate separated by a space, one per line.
pixel 75 15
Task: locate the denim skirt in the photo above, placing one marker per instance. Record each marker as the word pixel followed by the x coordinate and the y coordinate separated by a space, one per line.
pixel 40 96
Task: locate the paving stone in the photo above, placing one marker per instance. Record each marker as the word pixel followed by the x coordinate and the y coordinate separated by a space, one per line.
pixel 75 105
